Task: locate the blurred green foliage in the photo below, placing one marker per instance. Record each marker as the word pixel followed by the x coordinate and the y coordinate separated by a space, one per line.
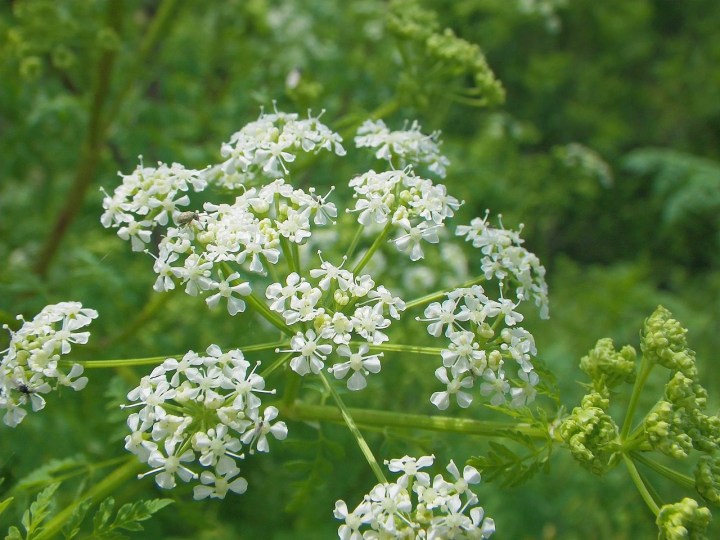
pixel 607 148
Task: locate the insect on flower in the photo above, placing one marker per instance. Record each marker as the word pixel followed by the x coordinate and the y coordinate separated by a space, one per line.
pixel 186 218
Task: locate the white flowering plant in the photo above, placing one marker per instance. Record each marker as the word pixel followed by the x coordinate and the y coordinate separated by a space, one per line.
pixel 242 236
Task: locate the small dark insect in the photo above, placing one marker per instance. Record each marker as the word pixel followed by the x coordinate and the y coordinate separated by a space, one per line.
pixel 186 218
pixel 24 389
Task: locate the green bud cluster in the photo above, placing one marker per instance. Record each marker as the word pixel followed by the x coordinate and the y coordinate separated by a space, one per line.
pixel 607 367
pixel 409 21
pixel 685 520
pixel 591 434
pixel 677 423
pixel 663 342
pixel 449 56
pixel 707 478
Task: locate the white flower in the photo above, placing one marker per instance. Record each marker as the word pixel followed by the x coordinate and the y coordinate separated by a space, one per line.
pixel 358 363
pixel 368 321
pixel 410 467
pixel 256 438
pixel 217 486
pixel 454 387
pixel 312 354
pixel 410 241
pixel 166 467
pixel 406 146
pixel 279 294
pixel 494 385
pixel 226 289
pixel 442 315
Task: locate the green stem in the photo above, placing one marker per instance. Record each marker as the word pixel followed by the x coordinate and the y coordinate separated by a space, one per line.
pixel 437 295
pixel 296 255
pixel 671 474
pixel 354 242
pixel 347 417
pixel 640 485
pixel 396 347
pixel 302 411
pixel 373 248
pixel 154 360
pixel 276 364
pixel 292 388
pixel 272 317
pixel 99 491
pixel 154 304
pixel 645 368
pixel 90 150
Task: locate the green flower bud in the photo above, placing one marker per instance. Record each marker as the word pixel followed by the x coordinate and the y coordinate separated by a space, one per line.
pixel 341 298
pixel 485 331
pixel 665 429
pixel 707 478
pixel 407 20
pixel 494 360
pixel 683 521
pixel 604 364
pixel 663 342
pixel 677 423
pixel 320 321
pixel 592 435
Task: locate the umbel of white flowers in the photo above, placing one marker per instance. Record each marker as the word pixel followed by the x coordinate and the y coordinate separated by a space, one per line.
pixel 333 313
pixel 30 365
pixel 414 506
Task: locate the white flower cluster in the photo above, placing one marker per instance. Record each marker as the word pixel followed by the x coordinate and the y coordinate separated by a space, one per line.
pixel 248 232
pixel 148 197
pixel 31 364
pixel 413 205
pixel 204 409
pixel 354 307
pixel 408 146
pixel 478 352
pixel 504 257
pixel 262 149
pixel 417 507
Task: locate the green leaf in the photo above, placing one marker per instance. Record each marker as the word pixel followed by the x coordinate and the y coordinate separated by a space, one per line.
pixel 5 504
pixel 39 509
pixel 13 534
pixel 72 526
pixel 48 473
pixel 129 515
pixel 102 516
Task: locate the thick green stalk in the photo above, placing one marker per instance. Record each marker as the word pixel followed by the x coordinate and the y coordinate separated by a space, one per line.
pixel 278 362
pixel 373 248
pixel 91 146
pixel 302 411
pixel 667 472
pixel 99 491
pixel 398 347
pixel 640 485
pixel 154 360
pixel 350 422
pixel 271 316
pixel 645 368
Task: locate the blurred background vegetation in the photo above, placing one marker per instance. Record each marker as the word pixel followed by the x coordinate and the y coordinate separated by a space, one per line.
pixel 607 148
